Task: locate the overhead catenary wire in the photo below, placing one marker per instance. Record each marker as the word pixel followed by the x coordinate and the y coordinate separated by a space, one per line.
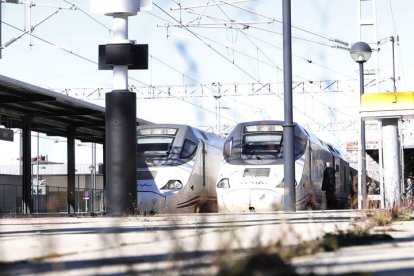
pixel 96 63
pixel 206 44
pixel 31 29
pixel 307 60
pixel 400 59
pixel 199 37
pixel 262 52
pixel 257 80
pixel 209 4
pixel 229 21
pixel 227 3
pixel 178 71
pixel 270 60
pixel 88 15
pixel 188 77
pixel 254 44
pixel 294 27
pixel 51 44
pixel 259 39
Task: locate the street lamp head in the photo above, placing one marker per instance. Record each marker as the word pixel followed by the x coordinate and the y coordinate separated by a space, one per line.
pixel 361 52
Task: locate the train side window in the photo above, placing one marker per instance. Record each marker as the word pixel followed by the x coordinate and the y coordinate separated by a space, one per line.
pixel 300 146
pixel 188 149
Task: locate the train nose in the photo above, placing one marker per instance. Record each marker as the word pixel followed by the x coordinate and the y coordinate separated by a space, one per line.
pixel 255 200
pixel 150 203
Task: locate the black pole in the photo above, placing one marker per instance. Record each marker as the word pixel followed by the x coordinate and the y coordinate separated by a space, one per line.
pixel 70 147
pixel 120 152
pixel 27 167
pixel 288 127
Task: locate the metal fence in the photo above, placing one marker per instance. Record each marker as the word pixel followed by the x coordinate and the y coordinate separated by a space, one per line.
pixel 10 198
pixel 50 199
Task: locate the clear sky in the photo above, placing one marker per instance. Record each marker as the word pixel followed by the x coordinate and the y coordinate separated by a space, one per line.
pixel 63 53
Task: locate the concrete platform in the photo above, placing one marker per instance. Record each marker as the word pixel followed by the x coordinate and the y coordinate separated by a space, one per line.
pixel 383 258
pixel 188 244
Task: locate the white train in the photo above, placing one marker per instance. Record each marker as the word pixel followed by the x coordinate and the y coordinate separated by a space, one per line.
pixel 251 174
pixel 177 167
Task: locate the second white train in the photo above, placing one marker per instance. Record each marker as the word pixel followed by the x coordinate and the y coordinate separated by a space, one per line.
pixel 251 176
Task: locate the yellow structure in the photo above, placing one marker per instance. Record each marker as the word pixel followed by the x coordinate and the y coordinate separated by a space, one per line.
pixel 387 105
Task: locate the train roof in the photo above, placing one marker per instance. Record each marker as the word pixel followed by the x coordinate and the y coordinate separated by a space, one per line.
pixel 298 129
pixel 200 134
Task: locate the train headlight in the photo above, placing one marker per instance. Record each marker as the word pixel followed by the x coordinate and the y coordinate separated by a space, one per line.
pixel 281 184
pixel 173 185
pixel 223 183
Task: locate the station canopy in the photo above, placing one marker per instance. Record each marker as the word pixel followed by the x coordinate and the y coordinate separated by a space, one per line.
pixel 52 113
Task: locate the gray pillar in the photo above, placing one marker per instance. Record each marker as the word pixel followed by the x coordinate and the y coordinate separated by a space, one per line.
pixel 362 200
pixel 391 157
pixel 120 152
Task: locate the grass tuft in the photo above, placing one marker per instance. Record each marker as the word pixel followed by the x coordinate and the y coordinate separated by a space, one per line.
pixel 262 262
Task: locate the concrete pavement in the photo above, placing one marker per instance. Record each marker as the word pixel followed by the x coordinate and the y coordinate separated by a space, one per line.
pixel 188 244
pixel 394 257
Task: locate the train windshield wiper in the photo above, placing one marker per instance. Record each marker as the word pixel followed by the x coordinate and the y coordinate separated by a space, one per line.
pixel 256 155
pixel 155 153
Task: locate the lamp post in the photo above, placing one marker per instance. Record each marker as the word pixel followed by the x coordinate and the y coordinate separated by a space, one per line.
pixel 360 53
pixel 289 199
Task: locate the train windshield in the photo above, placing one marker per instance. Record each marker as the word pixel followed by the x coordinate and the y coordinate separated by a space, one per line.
pixel 266 142
pixel 262 145
pixel 155 141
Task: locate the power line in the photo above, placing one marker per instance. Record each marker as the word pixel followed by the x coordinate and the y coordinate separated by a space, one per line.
pixel 88 15
pixel 150 86
pixel 206 44
pixel 51 44
pixel 270 19
pixel 230 21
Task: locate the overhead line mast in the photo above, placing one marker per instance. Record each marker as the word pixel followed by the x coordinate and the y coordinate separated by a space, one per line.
pixel 367 32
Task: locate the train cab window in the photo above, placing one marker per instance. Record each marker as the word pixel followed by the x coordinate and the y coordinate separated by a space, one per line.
pixel 154 145
pixel 155 142
pixel 188 150
pixel 263 145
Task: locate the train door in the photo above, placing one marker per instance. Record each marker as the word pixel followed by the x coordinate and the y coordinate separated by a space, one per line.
pixel 307 175
pixel 341 181
pixel 203 164
pixel 199 181
pixel 316 175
